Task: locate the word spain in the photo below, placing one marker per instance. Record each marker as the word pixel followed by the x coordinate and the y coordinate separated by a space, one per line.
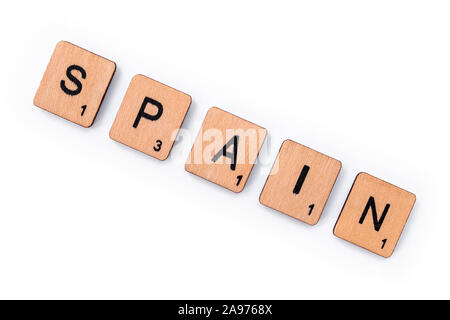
pixel 225 150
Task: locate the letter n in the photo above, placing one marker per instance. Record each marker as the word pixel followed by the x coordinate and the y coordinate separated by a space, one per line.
pixel 371 205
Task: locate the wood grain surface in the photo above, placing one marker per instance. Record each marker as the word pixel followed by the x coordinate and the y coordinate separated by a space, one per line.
pixel 222 129
pixel 74 84
pixel 300 182
pixel 375 230
pixel 153 134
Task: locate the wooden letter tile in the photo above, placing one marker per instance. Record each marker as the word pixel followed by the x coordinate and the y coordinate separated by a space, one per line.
pixel 150 116
pixel 226 149
pixel 74 84
pixel 300 182
pixel 374 214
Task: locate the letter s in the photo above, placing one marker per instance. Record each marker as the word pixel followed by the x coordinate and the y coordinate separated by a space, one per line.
pixel 74 80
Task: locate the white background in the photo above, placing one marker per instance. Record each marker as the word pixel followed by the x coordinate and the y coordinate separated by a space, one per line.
pixel 366 82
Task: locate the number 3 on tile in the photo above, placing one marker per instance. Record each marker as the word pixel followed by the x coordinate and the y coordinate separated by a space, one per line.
pixel 157 148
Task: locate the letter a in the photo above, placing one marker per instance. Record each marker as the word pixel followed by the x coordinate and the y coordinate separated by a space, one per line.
pixel 233 156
